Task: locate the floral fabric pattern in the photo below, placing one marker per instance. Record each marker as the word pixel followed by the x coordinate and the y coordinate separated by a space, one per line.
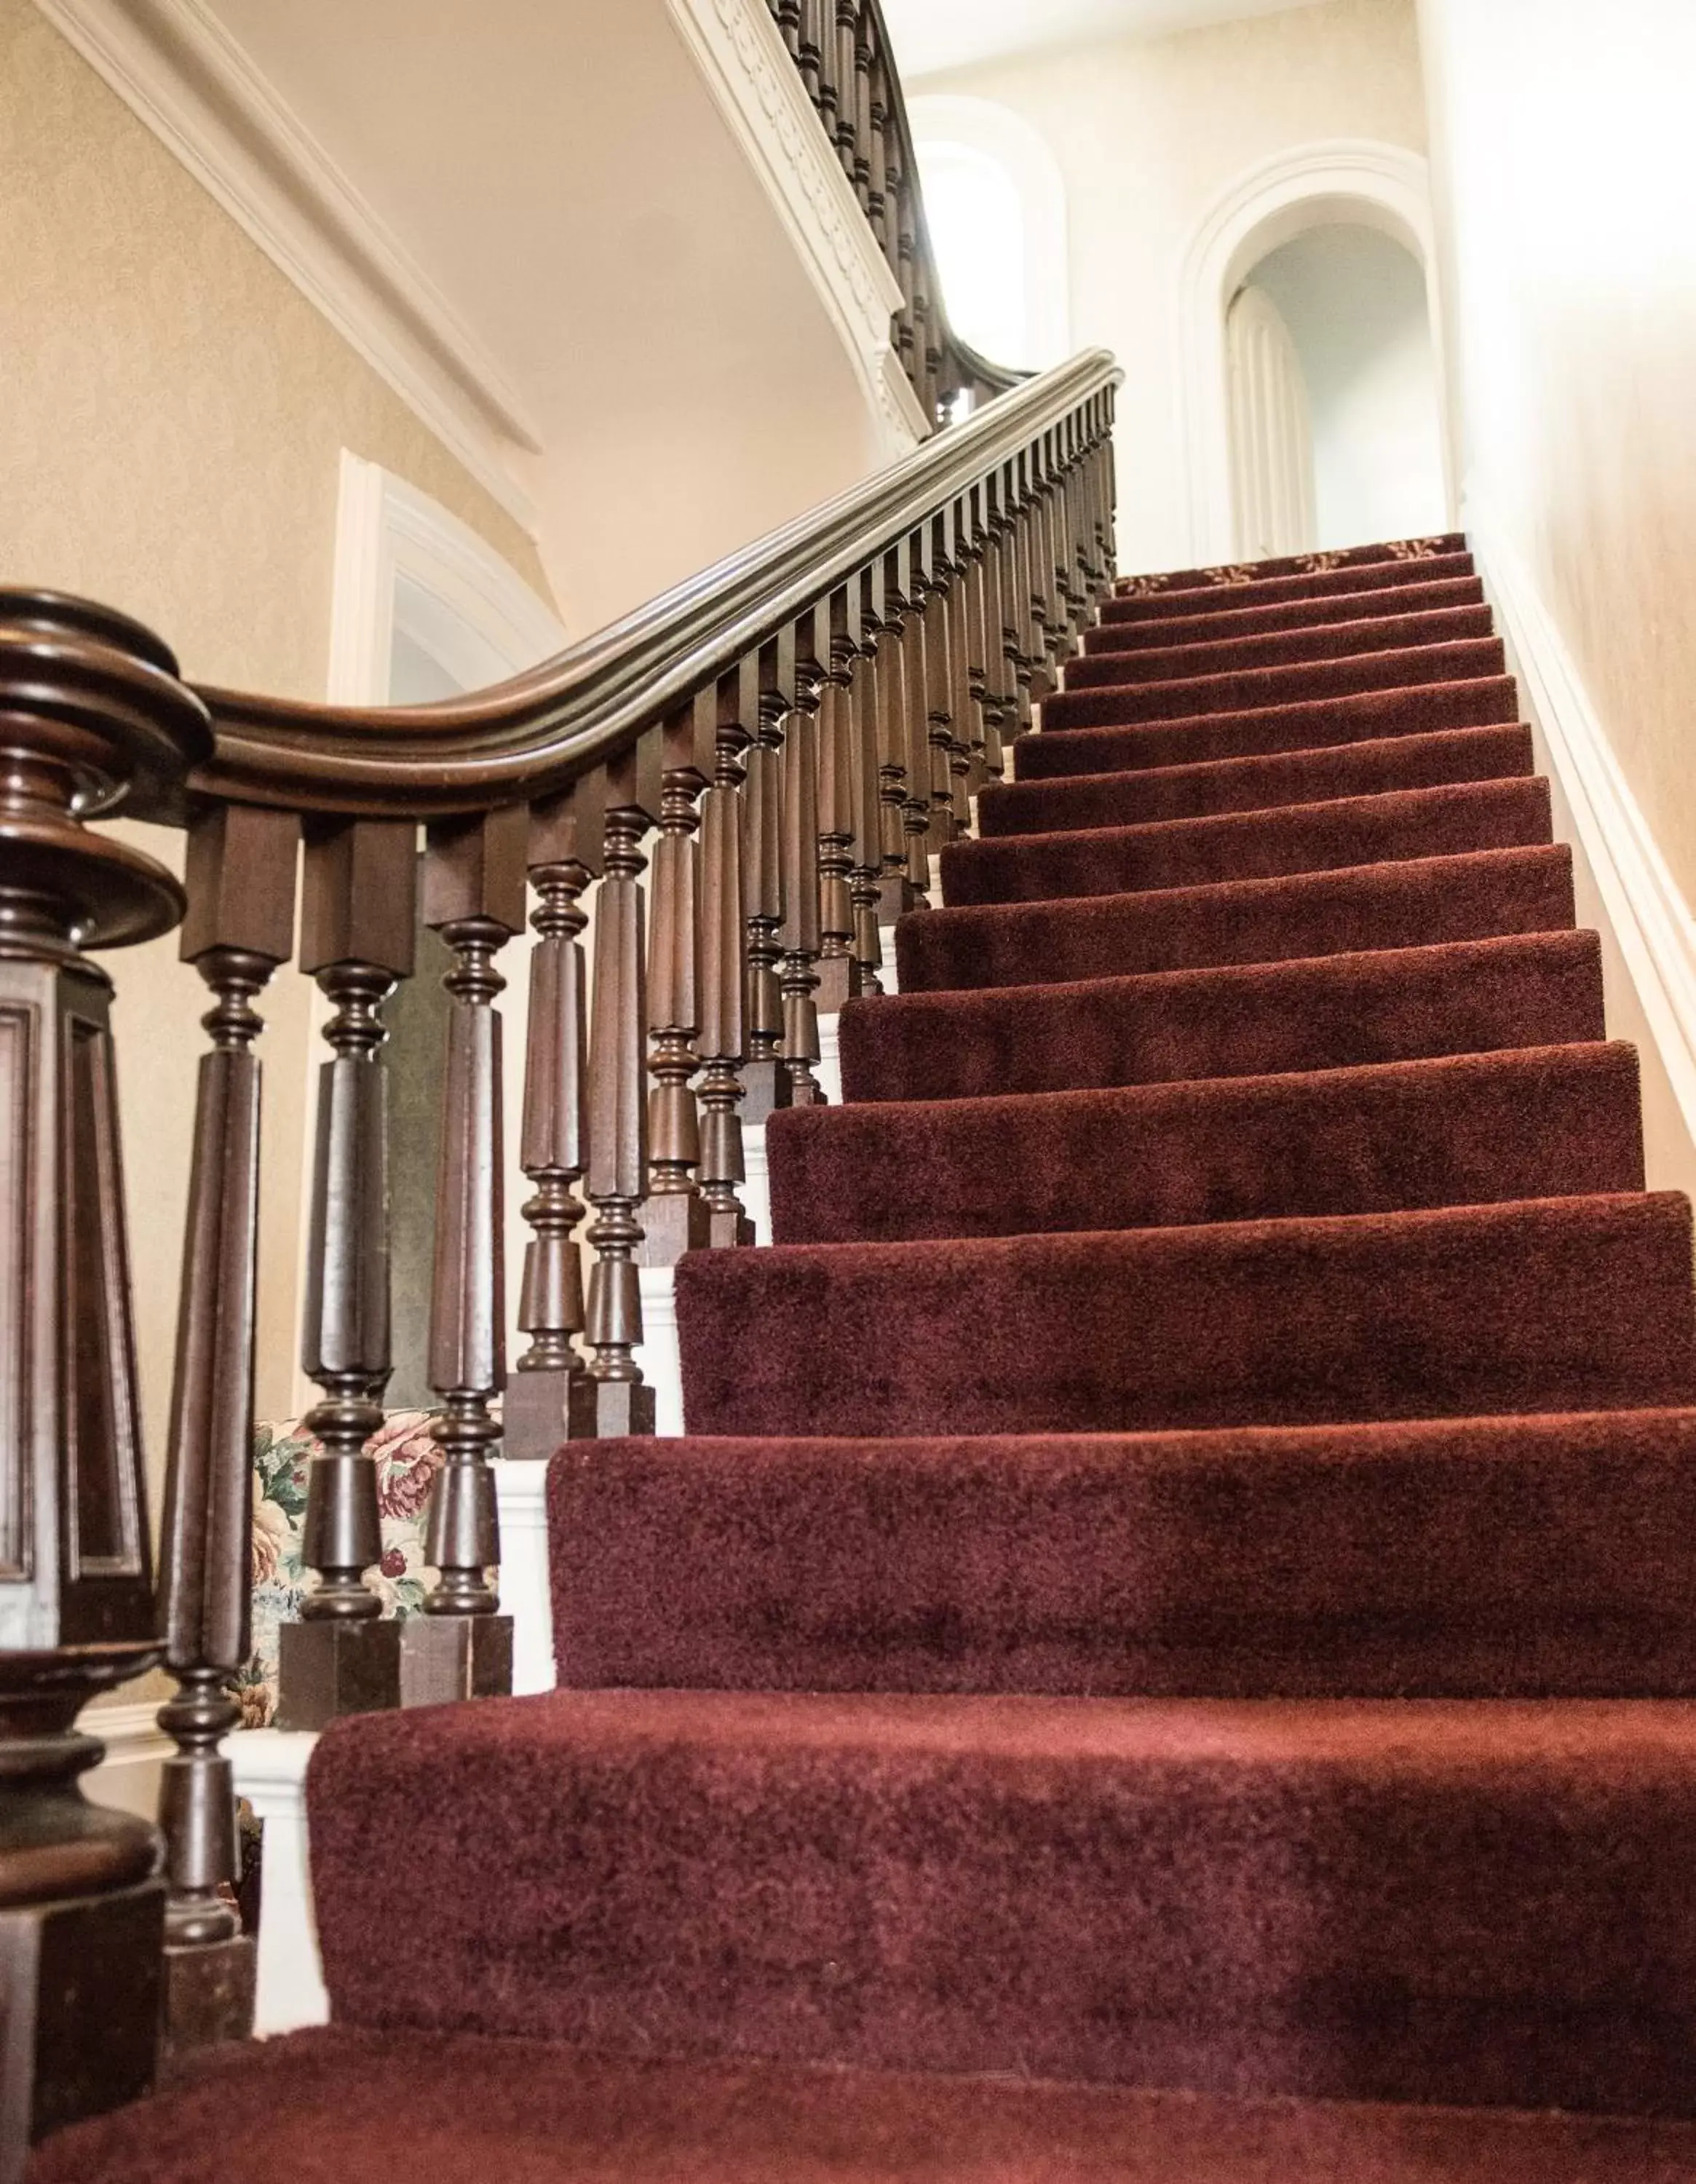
pixel 408 1459
pixel 1416 550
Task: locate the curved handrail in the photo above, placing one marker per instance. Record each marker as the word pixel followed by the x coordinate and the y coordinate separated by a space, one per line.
pixel 538 731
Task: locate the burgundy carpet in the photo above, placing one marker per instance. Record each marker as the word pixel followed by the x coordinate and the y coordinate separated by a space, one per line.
pixel 1170 1651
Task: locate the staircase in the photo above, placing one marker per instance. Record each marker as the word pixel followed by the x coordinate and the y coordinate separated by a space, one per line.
pixel 1166 1653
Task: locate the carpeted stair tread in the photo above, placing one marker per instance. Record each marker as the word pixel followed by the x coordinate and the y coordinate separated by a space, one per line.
pixel 1255 783
pixel 1232 1020
pixel 1293 614
pixel 1423 900
pixel 1469 1130
pixel 1389 670
pixel 1545 1304
pixel 1198 591
pixel 1472 701
pixel 348 2107
pixel 1482 1902
pixel 1237 845
pixel 1226 655
pixel 1483 1558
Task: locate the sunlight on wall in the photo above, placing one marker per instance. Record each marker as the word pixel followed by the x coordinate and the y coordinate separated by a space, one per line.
pixel 977 229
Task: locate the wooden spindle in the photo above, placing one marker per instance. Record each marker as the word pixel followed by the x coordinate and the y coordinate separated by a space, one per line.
pixel 865 872
pixel 611 1400
pixel 915 637
pixel 766 1079
pixel 239 927
pixel 810 53
pixel 799 935
pixel 838 970
pixel 565 840
pixel 862 34
pixel 896 894
pixel 846 83
pixel 724 963
pixel 938 693
pixel 357 933
pixel 675 1218
pixel 878 191
pixel 90 704
pixel 474 896
pixel 787 15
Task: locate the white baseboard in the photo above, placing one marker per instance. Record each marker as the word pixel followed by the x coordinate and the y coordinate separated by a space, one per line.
pixel 1626 889
pixel 136 1747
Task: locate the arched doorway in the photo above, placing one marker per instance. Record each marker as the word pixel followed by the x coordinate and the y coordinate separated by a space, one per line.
pixel 1347 186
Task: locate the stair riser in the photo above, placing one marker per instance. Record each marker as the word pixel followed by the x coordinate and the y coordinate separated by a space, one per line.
pixel 1311 837
pixel 1518 1559
pixel 1425 900
pixel 1555 1123
pixel 1337 1012
pixel 1202 597
pixel 1285 648
pixel 1089 1900
pixel 1297 613
pixel 1256 784
pixel 1569 1305
pixel 1281 686
pixel 1064 746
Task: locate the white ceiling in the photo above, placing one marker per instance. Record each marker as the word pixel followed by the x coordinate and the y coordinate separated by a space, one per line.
pixel 931 36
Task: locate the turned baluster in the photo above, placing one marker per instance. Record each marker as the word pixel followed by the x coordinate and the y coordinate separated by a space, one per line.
pixel 474 896
pixel 938 697
pixel 799 935
pixel 675 1218
pixel 810 50
pixel 723 961
pixel 878 184
pixel 90 704
pixel 837 971
pixel 907 338
pixel 984 698
pixel 865 801
pixel 914 702
pixel 861 36
pixel 357 939
pixel 965 767
pixel 766 1078
pixel 896 894
pixel 564 853
pixel 611 1400
pixel 239 927
pixel 1003 669
pixel 788 13
pixel 846 83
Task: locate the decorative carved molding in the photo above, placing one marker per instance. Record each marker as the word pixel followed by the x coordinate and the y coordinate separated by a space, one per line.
pixel 181 74
pixel 754 83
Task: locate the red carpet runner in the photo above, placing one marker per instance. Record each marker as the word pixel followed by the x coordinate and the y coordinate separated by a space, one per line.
pixel 1184 1588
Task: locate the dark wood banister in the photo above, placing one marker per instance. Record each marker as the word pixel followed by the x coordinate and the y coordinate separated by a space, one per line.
pixel 539 731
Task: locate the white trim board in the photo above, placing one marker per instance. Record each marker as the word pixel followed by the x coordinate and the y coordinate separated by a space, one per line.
pixel 180 72
pixel 1625 887
pixel 756 87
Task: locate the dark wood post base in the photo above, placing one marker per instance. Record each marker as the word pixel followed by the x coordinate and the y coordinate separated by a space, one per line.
pixel 839 982
pixel 611 1410
pixel 768 1087
pixel 895 896
pixel 332 1668
pixel 208 1994
pixel 536 1410
pixel 727 1231
pixel 672 1224
pixel 444 1657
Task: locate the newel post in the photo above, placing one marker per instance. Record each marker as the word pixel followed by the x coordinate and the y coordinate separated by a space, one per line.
pixel 611 1400
pixel 357 925
pixel 474 896
pixel 239 927
pixel 91 709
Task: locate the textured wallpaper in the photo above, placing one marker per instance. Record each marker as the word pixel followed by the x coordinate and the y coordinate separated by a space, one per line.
pixel 171 415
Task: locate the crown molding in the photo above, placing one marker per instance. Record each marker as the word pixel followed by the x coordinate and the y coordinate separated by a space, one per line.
pixel 181 73
pixel 758 89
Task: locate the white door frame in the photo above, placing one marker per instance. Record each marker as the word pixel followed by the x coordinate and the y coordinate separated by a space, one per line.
pixel 465 606
pixel 1375 185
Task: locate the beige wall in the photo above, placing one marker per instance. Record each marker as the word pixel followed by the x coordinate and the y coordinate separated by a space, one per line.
pixel 1148 132
pixel 1566 190
pixel 170 421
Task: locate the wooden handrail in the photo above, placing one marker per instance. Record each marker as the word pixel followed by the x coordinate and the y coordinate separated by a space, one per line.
pixel 537 732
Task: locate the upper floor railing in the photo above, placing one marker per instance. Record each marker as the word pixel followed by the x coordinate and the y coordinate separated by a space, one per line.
pixel 843 50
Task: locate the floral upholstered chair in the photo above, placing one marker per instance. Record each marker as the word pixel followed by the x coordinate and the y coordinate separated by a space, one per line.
pixel 408 1460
